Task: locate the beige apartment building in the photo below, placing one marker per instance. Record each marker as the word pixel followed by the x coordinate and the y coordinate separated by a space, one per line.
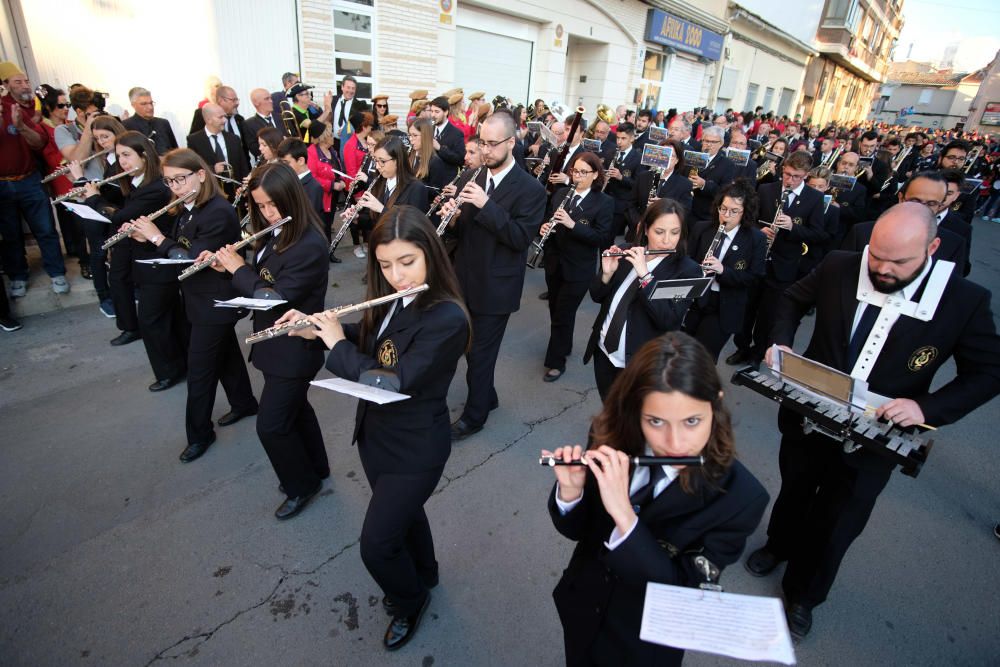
pixel 920 96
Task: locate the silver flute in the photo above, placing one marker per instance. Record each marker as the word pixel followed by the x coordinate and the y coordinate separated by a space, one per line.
pixel 125 233
pixel 65 168
pixel 552 461
pixel 339 311
pixel 76 192
pixel 198 266
pixel 622 253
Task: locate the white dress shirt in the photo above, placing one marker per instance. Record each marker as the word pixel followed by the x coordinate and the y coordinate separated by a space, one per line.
pixel 222 143
pixel 407 300
pixel 617 357
pixel 727 240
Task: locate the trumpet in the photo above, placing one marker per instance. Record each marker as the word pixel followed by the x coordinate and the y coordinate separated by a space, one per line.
pixel 289 121
pixel 766 168
pixel 716 240
pixel 832 160
pixel 125 233
pixel 447 218
pixel 76 192
pixel 647 253
pixel 198 266
pixel 785 194
pixel 63 170
pixel 346 220
pixel 538 246
pixel 340 311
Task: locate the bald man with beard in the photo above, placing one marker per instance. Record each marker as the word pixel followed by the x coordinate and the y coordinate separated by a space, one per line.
pixel 864 303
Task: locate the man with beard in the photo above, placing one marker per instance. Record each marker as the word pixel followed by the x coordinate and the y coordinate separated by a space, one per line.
pixel 500 215
pixel 868 324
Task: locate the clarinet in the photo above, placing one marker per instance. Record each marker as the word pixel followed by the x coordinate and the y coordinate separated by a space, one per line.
pixel 657 177
pixel 198 266
pixel 617 164
pixel 363 168
pixel 340 311
pixel 347 220
pixel 774 223
pixel 716 240
pixel 447 218
pixel 538 245
pixel 125 233
pixel 439 199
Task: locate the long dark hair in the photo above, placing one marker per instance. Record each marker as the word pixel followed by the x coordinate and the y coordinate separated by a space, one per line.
pixel 742 190
pixel 678 153
pixel 145 149
pixel 185 158
pixel 284 188
pixel 398 150
pixel 407 223
pixel 425 126
pixel 672 362
pixel 665 206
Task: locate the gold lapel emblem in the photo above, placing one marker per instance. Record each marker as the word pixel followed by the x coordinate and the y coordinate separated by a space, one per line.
pixel 796 221
pixel 956 207
pixel 265 275
pixel 922 357
pixel 584 222
pixel 184 242
pixel 627 173
pixel 387 354
pixel 740 265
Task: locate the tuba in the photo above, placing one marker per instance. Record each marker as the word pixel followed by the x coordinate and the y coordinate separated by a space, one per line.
pixel 606 113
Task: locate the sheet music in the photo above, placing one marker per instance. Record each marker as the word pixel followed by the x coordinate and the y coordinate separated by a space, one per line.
pixel 84 211
pixel 681 288
pixel 358 390
pixel 738 626
pixel 156 262
pixel 252 304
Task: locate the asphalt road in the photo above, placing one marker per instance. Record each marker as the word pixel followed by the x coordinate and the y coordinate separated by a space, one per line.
pixel 114 553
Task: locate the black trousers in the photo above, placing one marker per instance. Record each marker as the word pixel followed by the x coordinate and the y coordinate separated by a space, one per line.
pixel 823 505
pixel 759 318
pixel 214 356
pixel 487 334
pixel 702 322
pixel 605 373
pixel 565 297
pixel 288 429
pixel 396 543
pixel 164 328
pixel 97 233
pixel 122 287
pixel 4 302
pixel 74 239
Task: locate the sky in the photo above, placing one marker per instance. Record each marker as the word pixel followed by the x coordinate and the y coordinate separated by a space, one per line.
pixel 930 25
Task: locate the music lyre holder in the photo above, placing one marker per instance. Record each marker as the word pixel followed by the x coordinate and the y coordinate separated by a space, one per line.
pixel 682 288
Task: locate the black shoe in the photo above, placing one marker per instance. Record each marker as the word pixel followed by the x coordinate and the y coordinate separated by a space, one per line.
pixel 195 450
pixel 800 619
pixel 738 357
pixel 9 323
pixel 126 337
pixel 402 628
pixel 552 375
pixel 334 259
pixel 160 385
pixel 85 272
pixel 233 416
pixel 293 506
pixel 544 296
pixel 762 562
pixel 461 430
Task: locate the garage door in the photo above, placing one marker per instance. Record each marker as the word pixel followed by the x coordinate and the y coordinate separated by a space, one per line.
pixel 682 85
pixel 496 64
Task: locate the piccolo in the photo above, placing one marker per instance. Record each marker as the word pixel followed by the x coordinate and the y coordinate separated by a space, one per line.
pixel 621 253
pixel 552 461
pixel 198 266
pixel 340 311
pixel 125 233
pixel 76 192
pixel 61 171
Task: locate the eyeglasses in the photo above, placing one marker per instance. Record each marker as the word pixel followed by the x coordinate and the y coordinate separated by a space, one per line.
pixel 382 106
pixel 62 105
pixel 483 143
pixel 380 162
pixel 953 158
pixel 726 212
pixel 792 176
pixel 230 99
pixel 177 180
pixel 932 204
pixel 710 142
pixel 581 172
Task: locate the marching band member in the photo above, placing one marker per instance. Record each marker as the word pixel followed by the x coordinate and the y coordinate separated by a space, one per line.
pixel 737 264
pixel 580 226
pixel 719 171
pixel 424 162
pixel 501 214
pixel 629 316
pixel 414 345
pixel 204 225
pixel 295 154
pixel 397 186
pixel 621 175
pixel 268 140
pixel 818 179
pixel 263 118
pixel 673 184
pixel 292 266
pixel 667 402
pixel 448 139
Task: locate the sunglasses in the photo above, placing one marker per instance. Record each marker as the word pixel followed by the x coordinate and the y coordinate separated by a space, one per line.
pixel 62 105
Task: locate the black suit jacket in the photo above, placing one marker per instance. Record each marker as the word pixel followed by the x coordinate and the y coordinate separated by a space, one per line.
pixel 414 194
pixel 277 98
pixel 198 124
pixel 574 251
pixel 621 190
pixel 412 435
pixel 965 206
pixel 691 144
pixel 951 249
pixel 676 186
pixel 647 317
pixel 600 595
pixel 157 129
pixel 253 125
pixel 298 275
pixel 954 223
pixel 719 172
pixel 807 218
pixel 314 193
pixel 852 205
pixel 200 144
pixel 439 174
pixel 744 267
pixel 812 258
pixel 962 328
pixel 493 243
pixel 452 143
pixel 208 227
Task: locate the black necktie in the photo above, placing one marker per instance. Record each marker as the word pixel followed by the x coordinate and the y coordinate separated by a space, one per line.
pixel 219 155
pixel 644 494
pixel 268 120
pixel 340 114
pixel 489 188
pixel 865 326
pixel 613 338
pixel 574 203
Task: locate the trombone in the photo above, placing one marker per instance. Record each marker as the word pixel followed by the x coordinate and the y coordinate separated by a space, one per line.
pixel 289 121
pixel 832 160
pixel 63 170
pixel 970 159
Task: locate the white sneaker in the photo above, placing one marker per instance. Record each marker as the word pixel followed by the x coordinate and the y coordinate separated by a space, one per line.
pixel 359 252
pixel 59 285
pixel 18 288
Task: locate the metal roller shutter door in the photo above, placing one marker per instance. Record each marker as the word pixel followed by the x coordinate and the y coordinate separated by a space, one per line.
pixel 496 64
pixel 682 85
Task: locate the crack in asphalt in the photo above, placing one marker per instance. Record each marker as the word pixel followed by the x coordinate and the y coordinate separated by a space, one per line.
pixel 203 637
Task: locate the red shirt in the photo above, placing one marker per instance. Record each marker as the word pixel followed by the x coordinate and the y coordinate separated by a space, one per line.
pixel 16 157
pixel 353 157
pixel 53 160
pixel 324 174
